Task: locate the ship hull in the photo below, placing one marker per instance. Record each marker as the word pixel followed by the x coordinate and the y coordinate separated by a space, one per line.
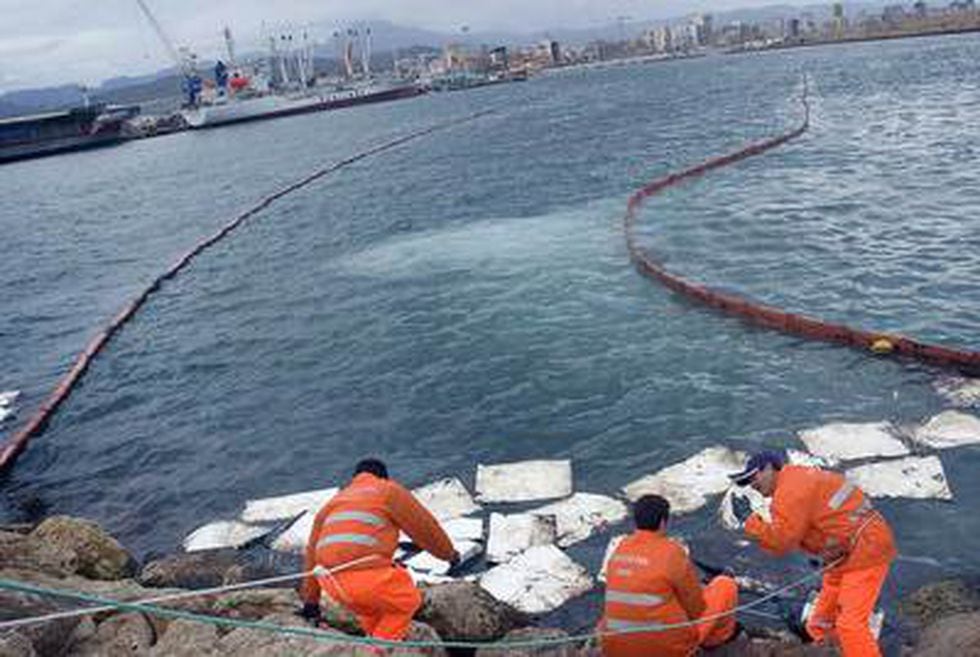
pixel 59 132
pixel 271 107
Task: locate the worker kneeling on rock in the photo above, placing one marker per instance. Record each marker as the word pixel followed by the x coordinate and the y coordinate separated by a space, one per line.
pixel 651 582
pixel 350 550
pixel 823 514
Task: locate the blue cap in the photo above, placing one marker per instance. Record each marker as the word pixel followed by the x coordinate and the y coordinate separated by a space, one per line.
pixel 756 463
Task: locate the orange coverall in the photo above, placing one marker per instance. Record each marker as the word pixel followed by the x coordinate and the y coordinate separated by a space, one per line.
pixel 650 580
pixel 823 514
pixel 363 521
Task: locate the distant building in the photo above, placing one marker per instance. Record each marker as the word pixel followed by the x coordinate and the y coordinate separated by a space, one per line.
pixel 838 21
pixel 893 14
pixel 499 59
pixel 793 28
pixel 662 40
pixel 555 49
pixel 701 29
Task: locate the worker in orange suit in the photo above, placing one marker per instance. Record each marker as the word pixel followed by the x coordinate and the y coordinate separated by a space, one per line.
pixel 825 515
pixel 650 581
pixel 350 550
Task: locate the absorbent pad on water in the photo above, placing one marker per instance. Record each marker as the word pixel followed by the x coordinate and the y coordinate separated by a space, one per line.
pixel 581 515
pixel 286 506
pixel 949 429
pixel 222 534
pixel 688 485
pixel 914 477
pixel 536 581
pixel 514 533
pixel 524 481
pixel 848 441
pixel 446 498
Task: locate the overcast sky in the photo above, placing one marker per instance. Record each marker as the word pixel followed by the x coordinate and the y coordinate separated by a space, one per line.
pixel 48 42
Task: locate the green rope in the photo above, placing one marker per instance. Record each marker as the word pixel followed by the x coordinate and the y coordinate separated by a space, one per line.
pixel 328 637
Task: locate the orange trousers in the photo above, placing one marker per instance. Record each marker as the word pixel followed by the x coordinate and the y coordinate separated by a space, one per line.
pixel 844 609
pixel 720 597
pixel 383 599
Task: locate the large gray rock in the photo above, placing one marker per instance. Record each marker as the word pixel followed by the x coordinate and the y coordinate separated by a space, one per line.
pixel 938 600
pixel 19 550
pixel 420 632
pixel 117 636
pixel 45 638
pixel 14 644
pixel 202 570
pixel 756 647
pixel 263 643
pixel 184 638
pixel 195 570
pixel 462 611
pixel 535 634
pixel 252 604
pixel 955 635
pixel 98 555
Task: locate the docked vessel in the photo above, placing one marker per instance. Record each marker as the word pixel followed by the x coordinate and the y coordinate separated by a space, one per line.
pixel 56 132
pixel 227 109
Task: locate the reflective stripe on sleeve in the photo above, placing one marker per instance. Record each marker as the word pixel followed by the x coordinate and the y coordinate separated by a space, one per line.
pixel 617 624
pixel 358 516
pixel 638 599
pixel 359 539
pixel 844 492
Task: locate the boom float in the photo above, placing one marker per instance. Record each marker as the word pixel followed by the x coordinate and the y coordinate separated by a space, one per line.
pixel 769 316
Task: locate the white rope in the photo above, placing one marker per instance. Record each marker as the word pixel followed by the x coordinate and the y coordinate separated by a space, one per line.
pixel 170 597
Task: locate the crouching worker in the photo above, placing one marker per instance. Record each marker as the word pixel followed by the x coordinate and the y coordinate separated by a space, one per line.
pixel 650 581
pixel 824 515
pixel 353 539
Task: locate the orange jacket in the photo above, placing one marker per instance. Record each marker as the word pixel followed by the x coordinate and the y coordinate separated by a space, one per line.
pixel 819 511
pixel 650 580
pixel 365 519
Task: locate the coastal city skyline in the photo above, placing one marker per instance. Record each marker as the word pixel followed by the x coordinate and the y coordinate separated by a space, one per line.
pixel 54 43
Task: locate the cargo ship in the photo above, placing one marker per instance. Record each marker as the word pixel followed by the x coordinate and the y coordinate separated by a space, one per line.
pixel 229 109
pixel 72 129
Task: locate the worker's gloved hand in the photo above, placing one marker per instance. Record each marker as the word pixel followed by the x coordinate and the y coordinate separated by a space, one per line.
pixel 311 612
pixel 455 565
pixel 741 508
pixel 833 554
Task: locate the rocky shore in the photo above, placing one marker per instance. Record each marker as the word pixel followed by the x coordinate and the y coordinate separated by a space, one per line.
pixel 77 555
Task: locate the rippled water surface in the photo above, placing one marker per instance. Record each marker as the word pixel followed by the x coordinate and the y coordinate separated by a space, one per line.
pixel 467 298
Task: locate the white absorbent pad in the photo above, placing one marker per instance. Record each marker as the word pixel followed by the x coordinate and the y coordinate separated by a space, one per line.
pixel 7 400
pixel 424 562
pixel 919 477
pixel 524 481
pixel 845 441
pixel 457 529
pixel 797 457
pixel 514 533
pixel 959 391
pixel 222 534
pixel 537 581
pixel 269 509
pixel 446 498
pixel 949 429
pixel 688 485
pixel 581 515
pixel 295 537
